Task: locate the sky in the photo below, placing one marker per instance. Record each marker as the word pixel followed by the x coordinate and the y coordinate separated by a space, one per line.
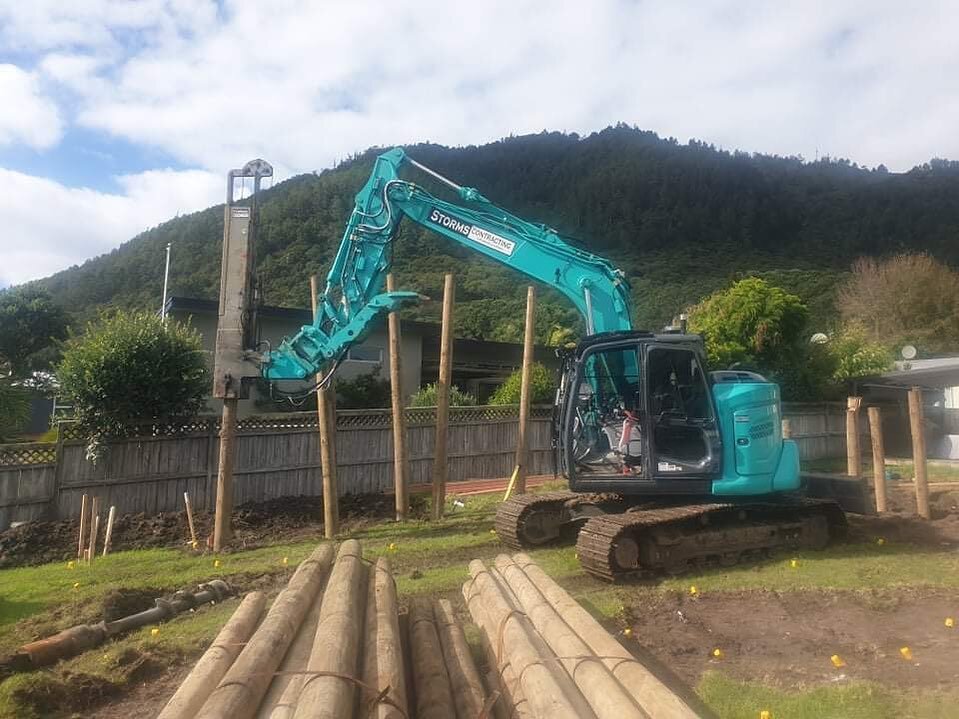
pixel 118 115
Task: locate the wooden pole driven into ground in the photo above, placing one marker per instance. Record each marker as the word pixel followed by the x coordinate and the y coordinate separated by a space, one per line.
pixel 94 527
pixel 108 536
pixel 223 516
pixel 916 424
pixel 853 454
pixel 440 468
pixel 401 471
pixel 522 441
pixel 878 457
pixel 327 427
pixel 787 427
pixel 189 518
pixel 83 527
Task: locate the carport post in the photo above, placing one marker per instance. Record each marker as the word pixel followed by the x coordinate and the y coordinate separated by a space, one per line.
pixel 916 423
pixel 878 458
pixel 853 454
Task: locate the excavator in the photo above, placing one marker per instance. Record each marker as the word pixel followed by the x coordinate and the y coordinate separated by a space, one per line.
pixel 669 466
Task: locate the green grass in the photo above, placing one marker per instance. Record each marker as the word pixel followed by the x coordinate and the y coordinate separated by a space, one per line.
pixel 732 699
pixel 936 471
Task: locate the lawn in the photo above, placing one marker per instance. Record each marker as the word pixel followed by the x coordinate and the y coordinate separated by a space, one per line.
pixel 429 558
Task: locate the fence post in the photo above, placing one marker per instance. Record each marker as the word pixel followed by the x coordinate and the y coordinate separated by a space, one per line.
pixel 400 453
pixel 853 454
pixel 916 424
pixel 57 471
pixel 522 440
pixel 327 427
pixel 440 468
pixel 878 457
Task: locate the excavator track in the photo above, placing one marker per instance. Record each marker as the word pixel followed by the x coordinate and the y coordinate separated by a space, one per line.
pixel 532 519
pixel 648 542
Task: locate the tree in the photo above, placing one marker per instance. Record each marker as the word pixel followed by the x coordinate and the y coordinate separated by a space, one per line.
pixel 906 299
pixel 854 355
pixel 426 397
pixel 752 323
pixel 14 408
pixel 133 368
pixel 31 325
pixel 541 390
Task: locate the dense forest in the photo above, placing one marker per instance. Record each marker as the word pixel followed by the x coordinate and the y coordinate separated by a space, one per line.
pixel 681 219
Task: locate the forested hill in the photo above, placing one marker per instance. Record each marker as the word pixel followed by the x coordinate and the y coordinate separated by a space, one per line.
pixel 681 220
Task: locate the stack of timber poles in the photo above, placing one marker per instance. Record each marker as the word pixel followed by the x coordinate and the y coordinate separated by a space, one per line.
pixel 331 646
pixel 552 659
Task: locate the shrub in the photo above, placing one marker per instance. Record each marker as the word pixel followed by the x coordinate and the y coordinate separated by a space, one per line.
pixel 426 397
pixel 542 387
pixel 365 391
pixel 132 368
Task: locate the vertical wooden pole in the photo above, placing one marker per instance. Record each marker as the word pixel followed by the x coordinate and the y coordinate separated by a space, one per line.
pixel 108 536
pixel 327 427
pixel 223 517
pixel 83 526
pixel 787 427
pixel 522 440
pixel 400 453
pixel 916 423
pixel 189 519
pixel 853 454
pixel 94 527
pixel 878 457
pixel 440 468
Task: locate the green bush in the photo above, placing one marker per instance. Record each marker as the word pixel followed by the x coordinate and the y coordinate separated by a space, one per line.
pixel 542 387
pixel 426 397
pixel 133 368
pixel 365 391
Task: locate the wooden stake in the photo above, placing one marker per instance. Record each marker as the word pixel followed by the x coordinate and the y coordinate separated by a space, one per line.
pixel 242 688
pixel 222 520
pixel 209 670
pixel 787 427
pixel 434 696
pixel 512 483
pixel 878 457
pixel 94 527
pixel 916 424
pixel 400 454
pixel 189 518
pixel 83 528
pixel 607 697
pixel 853 455
pixel 522 442
pixel 326 419
pixel 440 468
pixel 336 644
pixel 465 682
pixel 108 537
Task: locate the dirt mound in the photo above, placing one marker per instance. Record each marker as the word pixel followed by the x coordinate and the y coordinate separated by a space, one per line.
pixel 255 524
pixel 788 638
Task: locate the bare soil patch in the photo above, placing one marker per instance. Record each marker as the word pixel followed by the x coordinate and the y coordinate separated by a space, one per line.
pixel 255 525
pixel 787 639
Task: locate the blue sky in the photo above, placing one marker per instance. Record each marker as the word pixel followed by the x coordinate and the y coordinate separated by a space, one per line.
pixel 115 116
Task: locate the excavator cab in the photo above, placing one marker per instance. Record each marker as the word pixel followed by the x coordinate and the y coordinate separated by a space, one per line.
pixel 636 416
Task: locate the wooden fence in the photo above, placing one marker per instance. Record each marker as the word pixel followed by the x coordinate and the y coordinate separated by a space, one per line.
pixel 278 456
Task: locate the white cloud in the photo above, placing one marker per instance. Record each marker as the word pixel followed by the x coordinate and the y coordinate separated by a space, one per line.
pixel 303 84
pixel 48 226
pixel 26 115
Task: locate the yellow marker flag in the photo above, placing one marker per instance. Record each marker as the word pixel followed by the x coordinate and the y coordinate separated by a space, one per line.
pixel 794 563
pixel 693 591
pixel 765 714
pixel 837 661
pixel 906 653
pixel 627 631
pixel 950 622
pixel 718 653
pixel 154 632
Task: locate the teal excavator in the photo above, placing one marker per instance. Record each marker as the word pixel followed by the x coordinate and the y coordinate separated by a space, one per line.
pixel 669 465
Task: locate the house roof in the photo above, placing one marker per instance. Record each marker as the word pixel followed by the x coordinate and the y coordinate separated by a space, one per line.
pixel 939 372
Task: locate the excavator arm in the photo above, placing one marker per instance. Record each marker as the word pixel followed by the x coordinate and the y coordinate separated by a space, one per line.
pixel 352 298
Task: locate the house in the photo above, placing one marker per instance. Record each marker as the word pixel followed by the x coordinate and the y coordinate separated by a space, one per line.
pixel 479 367
pixel 939 380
